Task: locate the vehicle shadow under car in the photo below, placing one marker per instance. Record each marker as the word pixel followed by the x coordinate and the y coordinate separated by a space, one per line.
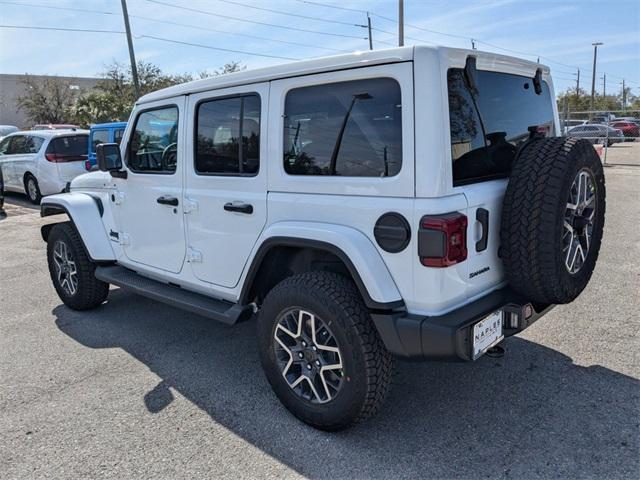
pixel 532 413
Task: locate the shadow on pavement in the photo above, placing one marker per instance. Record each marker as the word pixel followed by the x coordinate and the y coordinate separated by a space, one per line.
pixel 532 413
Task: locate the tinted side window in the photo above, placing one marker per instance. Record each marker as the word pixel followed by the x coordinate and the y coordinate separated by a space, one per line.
pixel 34 144
pixel 4 146
pixel 153 147
pixel 71 147
pixel 228 136
pixel 17 145
pixel 98 137
pixel 488 128
pixel 349 128
pixel 117 136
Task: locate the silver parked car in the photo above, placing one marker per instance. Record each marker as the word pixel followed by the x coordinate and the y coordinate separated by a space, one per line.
pixel 597 134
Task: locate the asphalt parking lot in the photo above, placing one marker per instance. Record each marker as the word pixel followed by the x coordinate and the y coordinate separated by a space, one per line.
pixel 138 389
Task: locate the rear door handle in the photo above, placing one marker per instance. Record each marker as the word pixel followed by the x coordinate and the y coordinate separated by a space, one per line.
pixel 482 216
pixel 166 200
pixel 239 207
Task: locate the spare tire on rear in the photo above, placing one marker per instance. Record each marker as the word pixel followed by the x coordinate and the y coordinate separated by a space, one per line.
pixel 552 219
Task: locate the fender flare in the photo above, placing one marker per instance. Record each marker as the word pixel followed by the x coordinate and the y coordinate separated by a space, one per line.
pixel 85 212
pixel 352 247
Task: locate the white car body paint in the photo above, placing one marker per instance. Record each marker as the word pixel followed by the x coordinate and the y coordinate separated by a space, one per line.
pixel 341 211
pixel 51 177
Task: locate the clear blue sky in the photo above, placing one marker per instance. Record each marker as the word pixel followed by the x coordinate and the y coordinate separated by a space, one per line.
pixel 558 31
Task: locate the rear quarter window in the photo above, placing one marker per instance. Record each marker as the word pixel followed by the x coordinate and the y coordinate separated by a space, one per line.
pixel 351 129
pixel 75 146
pixel 488 127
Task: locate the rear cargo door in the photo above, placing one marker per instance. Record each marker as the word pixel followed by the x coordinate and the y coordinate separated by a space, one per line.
pixel 488 124
pixel 483 235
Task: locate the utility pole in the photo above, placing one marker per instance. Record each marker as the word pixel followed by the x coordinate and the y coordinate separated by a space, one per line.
pixel 604 86
pixel 369 27
pixel 593 76
pixel 132 57
pixel 578 86
pixel 473 44
pixel 401 23
pixel 624 97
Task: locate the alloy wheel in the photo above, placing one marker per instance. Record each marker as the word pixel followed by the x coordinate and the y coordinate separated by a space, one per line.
pixel 578 221
pixel 32 189
pixel 308 355
pixel 66 271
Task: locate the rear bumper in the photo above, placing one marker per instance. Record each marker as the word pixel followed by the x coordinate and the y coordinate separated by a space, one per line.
pixel 448 336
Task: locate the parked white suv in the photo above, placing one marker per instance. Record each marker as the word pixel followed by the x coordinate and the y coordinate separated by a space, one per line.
pixel 42 162
pixel 410 202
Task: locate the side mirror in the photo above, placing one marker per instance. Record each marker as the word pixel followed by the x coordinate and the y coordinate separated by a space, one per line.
pixel 108 156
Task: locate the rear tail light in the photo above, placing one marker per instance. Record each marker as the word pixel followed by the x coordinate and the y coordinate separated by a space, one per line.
pixel 55 157
pixel 87 165
pixel 61 158
pixel 442 239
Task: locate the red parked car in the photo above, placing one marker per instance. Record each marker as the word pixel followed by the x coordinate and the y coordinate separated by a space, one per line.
pixel 629 129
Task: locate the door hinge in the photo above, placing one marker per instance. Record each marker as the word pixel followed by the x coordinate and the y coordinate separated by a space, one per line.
pixel 124 239
pixel 118 198
pixel 189 205
pixel 193 255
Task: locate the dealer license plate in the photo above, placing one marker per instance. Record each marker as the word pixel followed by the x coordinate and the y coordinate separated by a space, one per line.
pixel 487 333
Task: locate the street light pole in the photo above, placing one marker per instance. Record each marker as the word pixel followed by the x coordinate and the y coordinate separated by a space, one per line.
pixel 593 76
pixel 400 23
pixel 132 57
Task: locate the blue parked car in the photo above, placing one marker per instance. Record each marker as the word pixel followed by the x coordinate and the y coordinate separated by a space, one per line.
pixel 103 133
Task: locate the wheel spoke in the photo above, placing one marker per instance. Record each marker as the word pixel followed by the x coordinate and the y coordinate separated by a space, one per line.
pixel 568 226
pixel 311 348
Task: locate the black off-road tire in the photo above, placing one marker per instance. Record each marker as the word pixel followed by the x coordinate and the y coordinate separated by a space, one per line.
pixel 367 365
pixel 36 196
pixel 533 216
pixel 90 292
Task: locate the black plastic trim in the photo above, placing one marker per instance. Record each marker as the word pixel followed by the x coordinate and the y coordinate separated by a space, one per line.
pixel 482 216
pixel 49 209
pixel 273 242
pixel 392 232
pixel 448 336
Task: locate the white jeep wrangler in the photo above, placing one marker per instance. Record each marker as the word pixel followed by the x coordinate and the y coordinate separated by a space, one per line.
pixel 412 202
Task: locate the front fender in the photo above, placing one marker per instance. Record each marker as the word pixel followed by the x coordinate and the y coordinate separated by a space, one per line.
pixel 85 212
pixel 356 250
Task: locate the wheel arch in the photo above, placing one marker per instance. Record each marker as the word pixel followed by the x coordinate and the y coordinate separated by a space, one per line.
pixel 85 213
pixel 280 256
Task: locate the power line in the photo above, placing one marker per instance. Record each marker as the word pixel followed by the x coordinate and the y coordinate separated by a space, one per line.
pixel 228 17
pixel 85 30
pixel 280 12
pixel 83 10
pixel 168 22
pixel 332 6
pixel 177 24
pixel 406 36
pixel 436 32
pixel 215 48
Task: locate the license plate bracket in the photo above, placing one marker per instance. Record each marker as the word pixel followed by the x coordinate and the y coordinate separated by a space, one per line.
pixel 487 333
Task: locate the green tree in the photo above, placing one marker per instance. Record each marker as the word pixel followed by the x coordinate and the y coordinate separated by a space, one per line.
pixel 114 97
pixel 50 100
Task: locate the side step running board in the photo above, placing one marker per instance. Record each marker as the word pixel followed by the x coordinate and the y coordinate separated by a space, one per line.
pixel 225 312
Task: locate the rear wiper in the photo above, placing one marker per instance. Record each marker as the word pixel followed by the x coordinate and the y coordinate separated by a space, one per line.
pixel 336 147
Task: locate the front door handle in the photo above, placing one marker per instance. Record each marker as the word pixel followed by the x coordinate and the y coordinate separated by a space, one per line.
pixel 166 200
pixel 239 207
